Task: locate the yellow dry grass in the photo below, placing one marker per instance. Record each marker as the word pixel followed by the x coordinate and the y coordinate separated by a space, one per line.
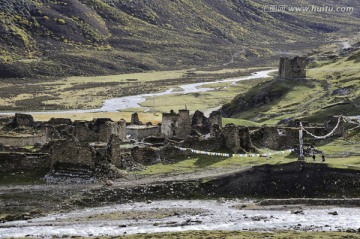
pixel 115 116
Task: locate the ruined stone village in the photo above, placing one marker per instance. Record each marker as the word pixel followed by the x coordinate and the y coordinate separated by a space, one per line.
pixel 78 151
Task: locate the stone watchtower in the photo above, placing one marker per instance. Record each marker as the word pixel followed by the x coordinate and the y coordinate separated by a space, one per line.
pixel 176 125
pixel 294 68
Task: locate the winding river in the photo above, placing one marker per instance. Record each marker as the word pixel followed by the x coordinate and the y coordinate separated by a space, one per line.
pixel 181 215
pixel 134 101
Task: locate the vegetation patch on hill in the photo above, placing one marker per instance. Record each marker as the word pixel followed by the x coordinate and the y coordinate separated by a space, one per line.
pixel 52 38
pixel 331 89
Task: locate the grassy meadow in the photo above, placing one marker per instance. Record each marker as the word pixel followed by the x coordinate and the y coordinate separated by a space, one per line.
pixel 221 94
pixel 89 92
pixel 203 162
pixel 340 153
pixel 196 163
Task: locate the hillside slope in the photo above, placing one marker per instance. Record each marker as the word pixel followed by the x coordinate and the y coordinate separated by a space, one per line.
pixel 333 88
pixel 92 37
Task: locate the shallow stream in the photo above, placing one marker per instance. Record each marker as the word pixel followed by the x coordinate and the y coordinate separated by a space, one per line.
pixel 121 103
pixel 183 215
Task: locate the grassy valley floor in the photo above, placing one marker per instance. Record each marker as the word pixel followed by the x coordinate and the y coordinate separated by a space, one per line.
pixel 90 92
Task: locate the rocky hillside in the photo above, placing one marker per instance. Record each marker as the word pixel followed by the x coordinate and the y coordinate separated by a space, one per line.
pixel 91 37
pixel 331 89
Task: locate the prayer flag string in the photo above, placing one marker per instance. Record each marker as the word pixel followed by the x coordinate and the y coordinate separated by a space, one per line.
pixel 194 151
pixel 325 136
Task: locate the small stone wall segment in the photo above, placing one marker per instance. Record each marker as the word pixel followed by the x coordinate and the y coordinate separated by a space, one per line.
pixel 141 132
pixel 15 162
pixel 23 141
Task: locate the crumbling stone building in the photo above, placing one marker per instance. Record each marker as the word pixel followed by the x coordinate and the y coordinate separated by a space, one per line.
pixel 294 68
pixel 176 125
pixel 22 120
pixel 200 123
pixel 69 150
pixel 100 147
pixel 237 139
pixel 282 138
pixel 139 132
pixel 72 160
pixel 135 119
pixel 215 117
pixel 99 130
pixel 181 125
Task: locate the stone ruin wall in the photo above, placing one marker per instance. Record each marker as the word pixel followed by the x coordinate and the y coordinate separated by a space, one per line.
pixel 176 125
pixel 237 139
pixel 24 141
pixel 169 124
pixel 73 145
pixel 140 133
pixel 82 131
pixel 181 125
pixel 135 119
pixel 283 138
pixel 146 155
pixel 5 120
pixel 15 162
pixel 99 130
pixel 200 123
pixel 65 143
pixel 23 121
pixel 212 144
pixel 113 128
pixel 232 137
pixel 215 117
pixel 70 151
pixel 292 68
pixel 183 129
pixel 115 151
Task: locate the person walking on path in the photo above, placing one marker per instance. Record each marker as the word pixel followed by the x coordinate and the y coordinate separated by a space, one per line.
pixel 313 156
pixel 323 157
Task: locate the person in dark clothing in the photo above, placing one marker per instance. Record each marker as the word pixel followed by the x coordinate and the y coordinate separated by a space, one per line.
pixel 313 156
pixel 323 157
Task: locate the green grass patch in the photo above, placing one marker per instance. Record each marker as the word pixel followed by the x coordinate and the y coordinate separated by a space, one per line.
pixel 240 122
pixel 185 165
pixel 200 101
pixel 339 153
pixel 202 162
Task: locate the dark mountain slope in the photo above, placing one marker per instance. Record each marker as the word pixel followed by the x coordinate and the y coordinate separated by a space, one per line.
pixel 76 37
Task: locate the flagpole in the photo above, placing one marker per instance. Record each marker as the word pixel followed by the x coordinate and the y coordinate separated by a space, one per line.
pixel 301 142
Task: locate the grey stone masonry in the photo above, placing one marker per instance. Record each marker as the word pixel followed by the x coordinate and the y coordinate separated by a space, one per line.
pixel 294 68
